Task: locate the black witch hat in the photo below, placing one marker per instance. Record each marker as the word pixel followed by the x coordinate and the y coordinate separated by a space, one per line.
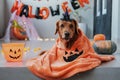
pixel 66 16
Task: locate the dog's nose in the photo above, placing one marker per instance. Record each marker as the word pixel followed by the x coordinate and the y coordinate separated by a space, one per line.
pixel 67 34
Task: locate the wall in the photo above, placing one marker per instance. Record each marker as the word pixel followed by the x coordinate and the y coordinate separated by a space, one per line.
pixel 1 17
pixel 87 17
pixel 119 21
pixel 46 28
pixel 116 20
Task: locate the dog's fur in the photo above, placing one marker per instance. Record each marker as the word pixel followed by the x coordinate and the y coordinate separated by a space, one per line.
pixel 69 27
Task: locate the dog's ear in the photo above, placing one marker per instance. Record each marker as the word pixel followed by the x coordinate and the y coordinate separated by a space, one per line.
pixel 57 27
pixel 76 26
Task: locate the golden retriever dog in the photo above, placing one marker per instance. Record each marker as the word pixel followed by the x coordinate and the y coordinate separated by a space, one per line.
pixel 72 53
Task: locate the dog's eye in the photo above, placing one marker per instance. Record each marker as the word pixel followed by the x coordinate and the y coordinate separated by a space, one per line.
pixel 71 26
pixel 62 25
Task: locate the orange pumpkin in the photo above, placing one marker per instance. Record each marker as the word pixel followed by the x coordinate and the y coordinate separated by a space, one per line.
pixel 13 52
pixel 18 31
pixel 99 37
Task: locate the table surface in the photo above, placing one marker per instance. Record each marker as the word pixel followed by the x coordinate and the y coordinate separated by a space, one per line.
pixel 45 45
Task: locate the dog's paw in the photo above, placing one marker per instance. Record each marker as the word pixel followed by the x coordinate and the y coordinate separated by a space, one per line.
pixel 107 57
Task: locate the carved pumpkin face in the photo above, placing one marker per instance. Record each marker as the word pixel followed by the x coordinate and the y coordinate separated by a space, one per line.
pixel 13 52
pixel 71 56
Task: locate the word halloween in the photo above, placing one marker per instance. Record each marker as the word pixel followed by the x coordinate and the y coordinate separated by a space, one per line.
pixel 43 13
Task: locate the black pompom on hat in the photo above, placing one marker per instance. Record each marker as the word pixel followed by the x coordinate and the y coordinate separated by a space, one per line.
pixel 66 16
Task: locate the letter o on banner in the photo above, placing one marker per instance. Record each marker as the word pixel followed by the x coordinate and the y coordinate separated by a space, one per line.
pixel 44 12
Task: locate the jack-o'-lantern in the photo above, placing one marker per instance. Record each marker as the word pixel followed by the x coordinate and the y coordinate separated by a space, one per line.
pixel 18 31
pixel 13 52
pixel 71 56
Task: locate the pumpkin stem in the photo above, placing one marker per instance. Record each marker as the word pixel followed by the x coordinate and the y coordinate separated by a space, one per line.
pixel 15 24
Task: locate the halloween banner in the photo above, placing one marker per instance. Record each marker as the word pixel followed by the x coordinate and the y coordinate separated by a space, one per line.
pixel 44 12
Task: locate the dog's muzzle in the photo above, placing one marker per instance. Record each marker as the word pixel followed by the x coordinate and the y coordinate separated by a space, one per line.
pixel 66 35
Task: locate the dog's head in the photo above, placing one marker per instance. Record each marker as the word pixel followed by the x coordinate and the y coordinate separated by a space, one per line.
pixel 67 29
